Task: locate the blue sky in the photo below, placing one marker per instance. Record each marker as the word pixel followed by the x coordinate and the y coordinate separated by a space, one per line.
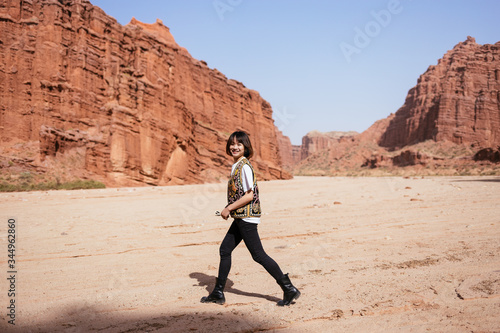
pixel 323 65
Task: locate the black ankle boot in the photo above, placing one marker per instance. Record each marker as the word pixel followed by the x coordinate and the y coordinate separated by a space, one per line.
pixel 290 293
pixel 217 295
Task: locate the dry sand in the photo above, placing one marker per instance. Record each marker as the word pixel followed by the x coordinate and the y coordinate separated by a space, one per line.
pixel 368 254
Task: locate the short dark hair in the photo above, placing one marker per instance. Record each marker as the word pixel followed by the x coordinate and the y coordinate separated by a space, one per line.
pixel 241 137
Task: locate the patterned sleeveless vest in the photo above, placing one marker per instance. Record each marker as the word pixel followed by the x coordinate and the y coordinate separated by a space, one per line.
pixel 235 191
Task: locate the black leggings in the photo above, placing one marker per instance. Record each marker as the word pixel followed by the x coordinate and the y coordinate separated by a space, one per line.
pixel 241 230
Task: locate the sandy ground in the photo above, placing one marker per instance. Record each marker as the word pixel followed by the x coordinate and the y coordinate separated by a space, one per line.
pixel 368 254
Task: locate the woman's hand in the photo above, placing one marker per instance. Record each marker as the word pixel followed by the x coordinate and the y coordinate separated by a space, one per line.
pixel 225 213
pixel 248 197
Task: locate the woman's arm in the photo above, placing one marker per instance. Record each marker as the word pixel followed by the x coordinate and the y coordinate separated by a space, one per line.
pixel 245 199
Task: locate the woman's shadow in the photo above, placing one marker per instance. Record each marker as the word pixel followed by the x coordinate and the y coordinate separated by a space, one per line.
pixel 208 281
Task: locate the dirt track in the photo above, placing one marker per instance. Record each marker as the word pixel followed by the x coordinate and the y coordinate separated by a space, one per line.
pixel 368 254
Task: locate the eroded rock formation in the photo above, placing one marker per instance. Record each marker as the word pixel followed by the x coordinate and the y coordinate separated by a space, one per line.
pixel 457 100
pixel 144 110
pixel 488 154
pixel 403 159
pixel 290 154
pixel 449 123
pixel 316 141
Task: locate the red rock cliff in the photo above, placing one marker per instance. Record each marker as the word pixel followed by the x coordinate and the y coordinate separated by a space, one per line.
pixel 457 100
pixel 316 141
pixel 140 106
pixel 288 152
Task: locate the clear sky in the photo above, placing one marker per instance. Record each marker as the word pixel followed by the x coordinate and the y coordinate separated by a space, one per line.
pixel 323 65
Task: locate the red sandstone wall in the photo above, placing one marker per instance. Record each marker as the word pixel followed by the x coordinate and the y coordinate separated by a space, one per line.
pixel 315 141
pixel 143 108
pixel 457 100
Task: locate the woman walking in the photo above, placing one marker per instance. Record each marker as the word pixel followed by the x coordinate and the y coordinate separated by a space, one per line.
pixel 244 206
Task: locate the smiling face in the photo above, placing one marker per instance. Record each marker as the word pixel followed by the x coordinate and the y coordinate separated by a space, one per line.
pixel 239 145
pixel 237 150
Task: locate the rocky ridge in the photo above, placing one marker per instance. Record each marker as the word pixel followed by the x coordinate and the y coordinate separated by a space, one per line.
pixel 127 102
pixel 449 124
pixel 316 141
pixel 457 100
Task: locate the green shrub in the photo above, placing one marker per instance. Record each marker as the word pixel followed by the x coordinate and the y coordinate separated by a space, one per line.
pixel 50 185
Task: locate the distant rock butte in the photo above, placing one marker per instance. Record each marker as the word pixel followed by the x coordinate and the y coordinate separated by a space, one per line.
pixel 457 100
pixel 290 154
pixel 141 108
pixel 450 120
pixel 316 141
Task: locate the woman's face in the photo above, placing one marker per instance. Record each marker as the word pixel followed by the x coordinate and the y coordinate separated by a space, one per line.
pixel 237 150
